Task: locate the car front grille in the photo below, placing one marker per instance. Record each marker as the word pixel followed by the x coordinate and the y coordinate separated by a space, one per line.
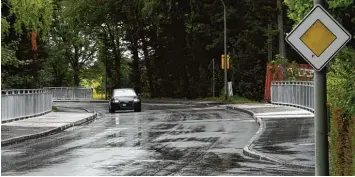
pixel 126 103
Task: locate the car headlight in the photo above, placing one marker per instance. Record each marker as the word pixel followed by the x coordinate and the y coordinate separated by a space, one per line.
pixel 136 100
pixel 116 101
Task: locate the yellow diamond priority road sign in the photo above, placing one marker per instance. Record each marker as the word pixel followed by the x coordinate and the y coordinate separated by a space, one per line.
pixel 318 37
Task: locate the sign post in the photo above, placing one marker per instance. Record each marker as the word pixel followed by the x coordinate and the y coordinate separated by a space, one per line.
pixel 230 89
pixel 318 38
pixel 321 124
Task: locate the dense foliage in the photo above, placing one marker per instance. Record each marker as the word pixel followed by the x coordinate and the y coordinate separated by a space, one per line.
pixel 18 62
pixel 170 45
pixel 162 48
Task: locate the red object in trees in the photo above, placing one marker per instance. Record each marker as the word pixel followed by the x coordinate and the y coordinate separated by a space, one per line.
pixel 305 72
pixel 34 41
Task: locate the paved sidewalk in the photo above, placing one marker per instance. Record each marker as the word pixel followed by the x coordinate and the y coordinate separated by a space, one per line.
pixel 16 131
pixel 285 135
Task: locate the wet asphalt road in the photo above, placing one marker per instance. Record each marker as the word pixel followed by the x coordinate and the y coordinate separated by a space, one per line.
pixel 163 139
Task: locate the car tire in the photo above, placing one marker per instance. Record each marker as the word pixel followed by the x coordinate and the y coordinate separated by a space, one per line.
pixel 111 110
pixel 138 109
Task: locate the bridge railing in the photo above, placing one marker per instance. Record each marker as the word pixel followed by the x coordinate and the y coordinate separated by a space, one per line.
pixel 18 103
pixel 293 93
pixel 70 93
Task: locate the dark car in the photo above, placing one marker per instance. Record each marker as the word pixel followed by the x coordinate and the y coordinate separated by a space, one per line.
pixel 124 99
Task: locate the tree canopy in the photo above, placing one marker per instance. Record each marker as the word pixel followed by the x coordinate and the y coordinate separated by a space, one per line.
pixel 161 48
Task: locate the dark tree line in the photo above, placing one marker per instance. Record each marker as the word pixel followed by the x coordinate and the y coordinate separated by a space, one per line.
pixel 161 48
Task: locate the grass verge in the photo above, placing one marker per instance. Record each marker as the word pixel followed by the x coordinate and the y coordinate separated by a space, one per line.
pixel 98 96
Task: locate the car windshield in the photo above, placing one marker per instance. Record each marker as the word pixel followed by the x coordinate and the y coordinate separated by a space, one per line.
pixel 124 92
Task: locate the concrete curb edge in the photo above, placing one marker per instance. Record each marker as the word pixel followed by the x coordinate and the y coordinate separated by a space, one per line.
pixel 246 150
pixel 25 117
pixel 83 101
pixel 48 132
pixel 255 154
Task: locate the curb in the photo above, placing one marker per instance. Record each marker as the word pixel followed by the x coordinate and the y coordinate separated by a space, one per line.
pixel 48 132
pixel 87 110
pixel 25 117
pixel 246 149
pixel 255 154
pixel 83 101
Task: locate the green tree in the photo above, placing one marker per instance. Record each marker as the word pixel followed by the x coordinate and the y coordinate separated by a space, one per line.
pixel 21 66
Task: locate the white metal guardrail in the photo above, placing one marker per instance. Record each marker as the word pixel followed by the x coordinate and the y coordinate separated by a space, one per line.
pixel 70 93
pixel 18 103
pixel 293 93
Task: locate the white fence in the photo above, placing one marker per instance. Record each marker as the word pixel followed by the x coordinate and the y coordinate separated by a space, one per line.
pixel 293 93
pixel 24 103
pixel 70 93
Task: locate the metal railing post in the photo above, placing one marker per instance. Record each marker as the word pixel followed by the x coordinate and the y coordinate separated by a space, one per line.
pixel 293 93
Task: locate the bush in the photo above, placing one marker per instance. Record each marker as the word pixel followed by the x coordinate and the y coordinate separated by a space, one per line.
pixel 342 144
pixel 341 96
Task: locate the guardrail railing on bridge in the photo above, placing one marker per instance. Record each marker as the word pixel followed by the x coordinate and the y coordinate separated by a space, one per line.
pixel 21 103
pixel 70 93
pixel 293 93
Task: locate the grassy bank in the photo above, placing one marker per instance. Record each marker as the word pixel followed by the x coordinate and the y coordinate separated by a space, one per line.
pixel 98 96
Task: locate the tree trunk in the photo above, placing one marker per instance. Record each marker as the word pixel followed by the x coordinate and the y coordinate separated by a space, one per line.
pixel 148 66
pixel 281 37
pixel 281 29
pixel 117 56
pixel 76 76
pixel 135 65
pixel 76 67
pixel 269 54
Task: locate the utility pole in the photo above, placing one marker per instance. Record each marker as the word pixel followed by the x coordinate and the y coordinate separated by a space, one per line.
pixel 320 118
pixel 225 51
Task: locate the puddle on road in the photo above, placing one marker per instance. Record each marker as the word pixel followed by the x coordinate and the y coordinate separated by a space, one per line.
pixel 117 118
pixel 10 152
pixel 186 144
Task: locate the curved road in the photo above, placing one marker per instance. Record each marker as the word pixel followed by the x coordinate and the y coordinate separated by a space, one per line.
pixel 163 139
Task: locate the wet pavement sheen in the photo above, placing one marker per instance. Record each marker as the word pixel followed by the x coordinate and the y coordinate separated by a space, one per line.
pixel 163 139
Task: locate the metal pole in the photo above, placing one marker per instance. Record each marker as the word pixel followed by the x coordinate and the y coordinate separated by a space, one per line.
pixel 320 121
pixel 320 118
pixel 225 51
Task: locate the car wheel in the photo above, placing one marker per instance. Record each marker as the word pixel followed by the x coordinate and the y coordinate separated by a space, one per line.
pixel 111 110
pixel 138 109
